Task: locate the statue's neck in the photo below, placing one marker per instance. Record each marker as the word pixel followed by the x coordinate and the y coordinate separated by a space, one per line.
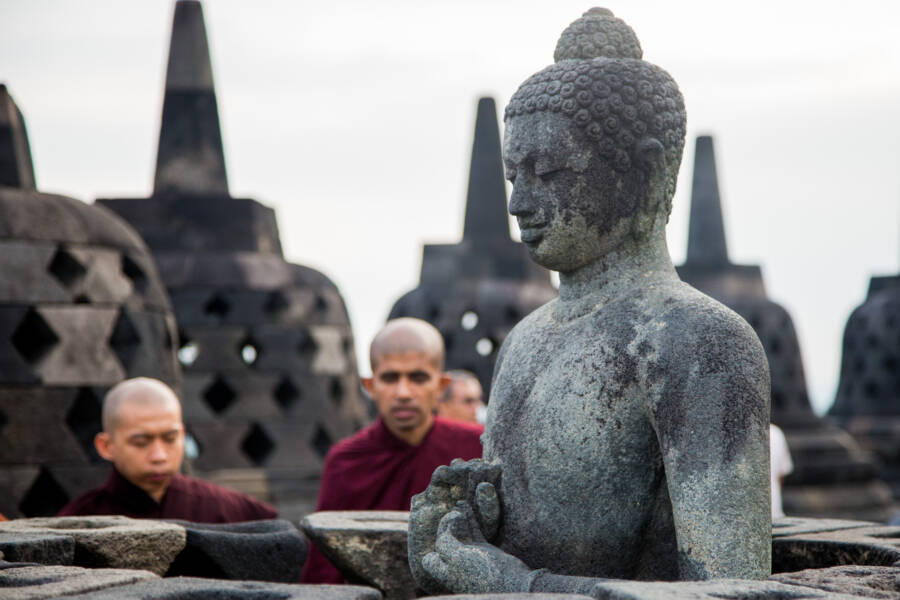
pixel 633 264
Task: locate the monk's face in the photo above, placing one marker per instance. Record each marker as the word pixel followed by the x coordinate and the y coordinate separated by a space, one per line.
pixel 406 388
pixel 146 445
pixel 569 203
pixel 464 401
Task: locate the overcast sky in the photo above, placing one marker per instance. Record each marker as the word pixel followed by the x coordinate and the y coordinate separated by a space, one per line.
pixel 354 121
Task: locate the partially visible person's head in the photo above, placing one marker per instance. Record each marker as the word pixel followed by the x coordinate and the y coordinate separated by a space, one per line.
pixel 143 435
pixel 462 398
pixel 407 358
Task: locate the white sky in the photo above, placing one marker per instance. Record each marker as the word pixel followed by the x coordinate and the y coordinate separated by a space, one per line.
pixel 354 121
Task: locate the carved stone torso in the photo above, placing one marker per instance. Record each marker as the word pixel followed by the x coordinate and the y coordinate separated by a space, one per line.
pixel 571 419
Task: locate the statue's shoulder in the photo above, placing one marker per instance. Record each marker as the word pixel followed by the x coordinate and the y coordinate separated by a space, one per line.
pixel 690 321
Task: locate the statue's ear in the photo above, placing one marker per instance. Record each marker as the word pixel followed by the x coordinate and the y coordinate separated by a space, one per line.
pixel 651 153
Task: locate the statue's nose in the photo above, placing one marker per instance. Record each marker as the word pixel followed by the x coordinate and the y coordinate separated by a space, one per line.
pixel 521 202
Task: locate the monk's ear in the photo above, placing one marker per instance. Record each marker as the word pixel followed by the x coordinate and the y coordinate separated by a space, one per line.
pixel 445 381
pixel 368 384
pixel 101 443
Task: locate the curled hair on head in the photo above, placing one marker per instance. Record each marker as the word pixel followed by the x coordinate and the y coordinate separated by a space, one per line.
pixel 603 86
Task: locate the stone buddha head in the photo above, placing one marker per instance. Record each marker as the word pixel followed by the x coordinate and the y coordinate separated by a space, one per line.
pixel 592 146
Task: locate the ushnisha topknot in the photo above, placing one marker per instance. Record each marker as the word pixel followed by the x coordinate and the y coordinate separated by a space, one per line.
pixel 597 33
pixel 601 83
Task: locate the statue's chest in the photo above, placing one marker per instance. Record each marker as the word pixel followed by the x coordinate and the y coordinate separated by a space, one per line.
pixel 567 391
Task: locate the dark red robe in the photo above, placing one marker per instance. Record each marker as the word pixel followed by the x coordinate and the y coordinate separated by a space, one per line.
pixel 186 498
pixel 373 470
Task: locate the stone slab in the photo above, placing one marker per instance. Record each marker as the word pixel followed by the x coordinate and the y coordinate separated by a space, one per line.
pixel 865 582
pixel 181 588
pixel 870 546
pixel 786 526
pixel 272 550
pixel 721 589
pixel 111 541
pixel 30 582
pixel 39 547
pixel 367 547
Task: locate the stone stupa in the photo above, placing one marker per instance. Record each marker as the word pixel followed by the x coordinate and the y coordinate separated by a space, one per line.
pixel 475 291
pixel 833 476
pixel 81 308
pixel 868 397
pixel 266 346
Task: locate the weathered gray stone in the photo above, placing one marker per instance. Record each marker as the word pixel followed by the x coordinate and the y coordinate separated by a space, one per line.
pixel 721 589
pixel 871 546
pixel 41 548
pixel 29 582
pixel 528 595
pixel 182 588
pixel 256 550
pixel 865 582
pixel 627 430
pixel 113 541
pixel 367 547
pixel 786 526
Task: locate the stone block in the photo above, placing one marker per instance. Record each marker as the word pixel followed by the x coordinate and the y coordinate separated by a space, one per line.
pixel 864 546
pixel 271 550
pixel 27 278
pixel 182 588
pixel 717 589
pixel 31 582
pixel 367 547
pixel 864 582
pixel 39 547
pixel 111 541
pixel 786 526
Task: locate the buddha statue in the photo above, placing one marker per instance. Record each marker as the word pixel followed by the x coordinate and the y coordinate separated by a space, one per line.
pixel 627 428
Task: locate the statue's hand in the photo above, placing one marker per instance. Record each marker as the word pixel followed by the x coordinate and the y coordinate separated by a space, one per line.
pixel 465 563
pixel 473 482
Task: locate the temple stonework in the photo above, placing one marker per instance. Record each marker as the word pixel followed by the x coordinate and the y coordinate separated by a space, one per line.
pixel 266 346
pixel 475 291
pixel 833 476
pixel 868 397
pixel 81 308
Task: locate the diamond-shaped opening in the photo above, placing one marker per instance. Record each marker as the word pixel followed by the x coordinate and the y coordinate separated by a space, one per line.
pixel 249 350
pixel 66 268
pixel 82 299
pixel 276 304
pixel 257 446
pixel 135 273
pixel 217 307
pixel 307 345
pixel 44 498
pixel 336 391
pixel 513 315
pixel 219 395
pixel 434 312
pixel 33 338
pixel 83 420
pixel 321 303
pixel 286 393
pixel 3 420
pixel 321 441
pixel 448 340
pixel 125 340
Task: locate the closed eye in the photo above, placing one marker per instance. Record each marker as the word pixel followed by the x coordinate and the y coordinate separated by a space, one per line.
pixel 511 174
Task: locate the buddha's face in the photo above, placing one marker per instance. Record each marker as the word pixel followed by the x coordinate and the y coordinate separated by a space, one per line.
pixel 572 208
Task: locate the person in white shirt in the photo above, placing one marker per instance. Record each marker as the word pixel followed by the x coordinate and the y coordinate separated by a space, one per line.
pixel 782 465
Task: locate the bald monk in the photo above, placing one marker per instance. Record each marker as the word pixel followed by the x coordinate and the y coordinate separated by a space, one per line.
pixel 383 466
pixel 143 437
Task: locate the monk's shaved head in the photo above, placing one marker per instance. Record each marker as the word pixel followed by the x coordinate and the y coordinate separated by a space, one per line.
pixel 408 335
pixel 140 390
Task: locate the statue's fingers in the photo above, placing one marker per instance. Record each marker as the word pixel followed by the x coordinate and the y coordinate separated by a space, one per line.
pixel 448 476
pixel 453 533
pixel 435 566
pixel 487 505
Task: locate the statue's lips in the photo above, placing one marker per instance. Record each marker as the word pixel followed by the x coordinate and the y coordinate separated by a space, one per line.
pixel 531 235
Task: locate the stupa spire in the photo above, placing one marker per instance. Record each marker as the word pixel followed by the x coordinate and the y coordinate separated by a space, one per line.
pixel 190 158
pixel 16 169
pixel 486 198
pixel 706 233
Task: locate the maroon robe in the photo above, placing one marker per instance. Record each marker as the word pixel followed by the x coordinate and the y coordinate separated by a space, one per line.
pixel 373 470
pixel 186 498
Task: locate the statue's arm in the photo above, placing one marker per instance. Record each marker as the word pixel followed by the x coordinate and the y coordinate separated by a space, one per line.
pixel 712 421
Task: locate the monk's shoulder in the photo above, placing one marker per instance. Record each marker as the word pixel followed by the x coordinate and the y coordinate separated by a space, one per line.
pixel 232 505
